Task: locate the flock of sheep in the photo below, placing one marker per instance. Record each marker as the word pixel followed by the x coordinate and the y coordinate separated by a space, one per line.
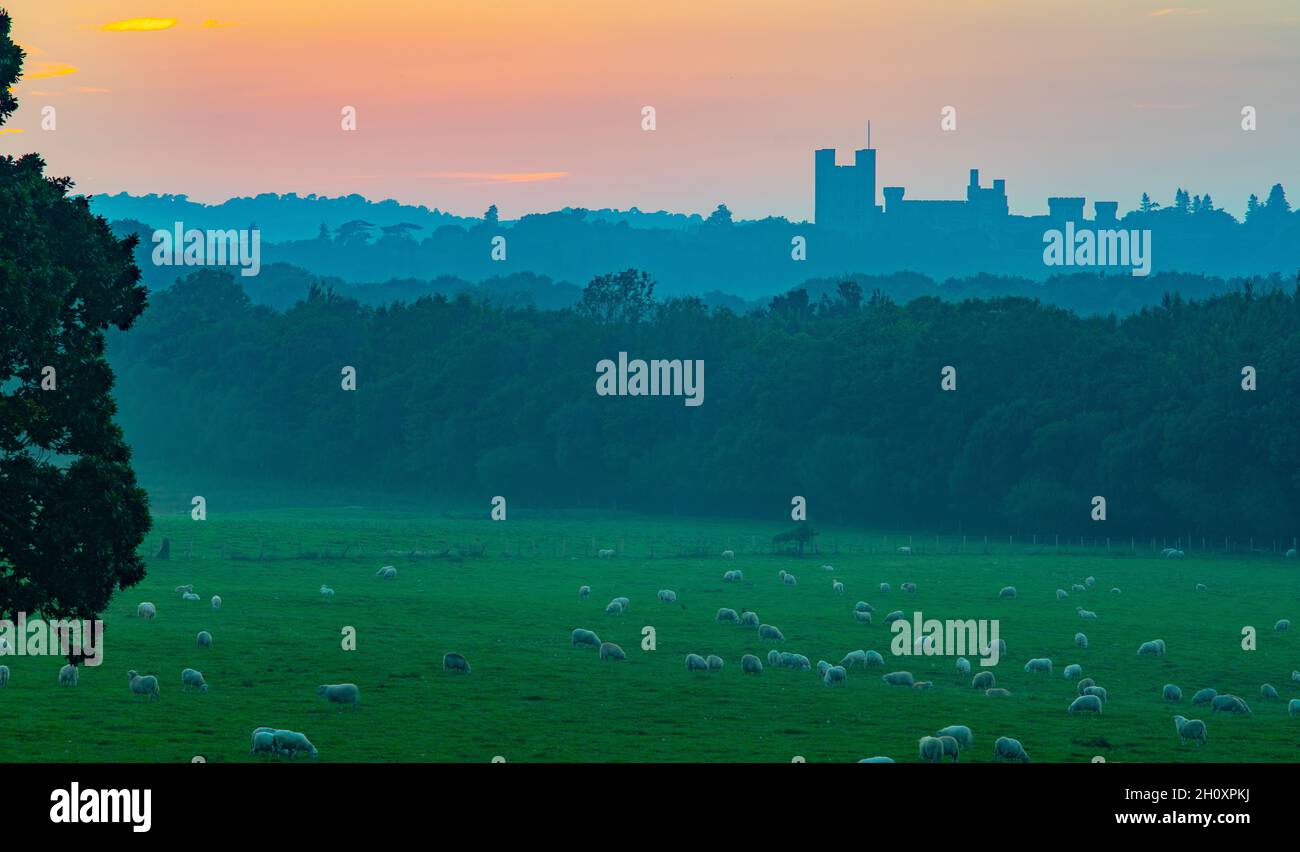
pixel 947 742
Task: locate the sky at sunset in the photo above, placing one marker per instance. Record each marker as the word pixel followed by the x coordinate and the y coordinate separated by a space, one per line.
pixel 536 105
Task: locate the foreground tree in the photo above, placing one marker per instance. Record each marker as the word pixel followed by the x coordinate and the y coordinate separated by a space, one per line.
pixel 71 514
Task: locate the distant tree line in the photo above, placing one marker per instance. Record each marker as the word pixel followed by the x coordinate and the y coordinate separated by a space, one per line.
pixel 835 399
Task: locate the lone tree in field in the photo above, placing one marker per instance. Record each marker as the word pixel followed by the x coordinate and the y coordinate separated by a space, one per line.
pixel 801 535
pixel 71 514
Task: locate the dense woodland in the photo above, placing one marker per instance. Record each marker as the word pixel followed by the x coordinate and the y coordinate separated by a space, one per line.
pixel 837 399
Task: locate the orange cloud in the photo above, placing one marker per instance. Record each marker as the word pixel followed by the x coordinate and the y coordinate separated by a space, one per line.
pixel 46 70
pixel 214 24
pixel 497 177
pixel 139 25
pixel 11 130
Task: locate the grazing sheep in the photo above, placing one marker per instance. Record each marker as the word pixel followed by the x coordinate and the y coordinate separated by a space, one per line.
pixel 749 619
pixel 1290 554
pixel 605 554
pixel 614 608
pixel 263 741
pixel 1007 592
pixel 798 662
pixel 789 580
pixel 1295 676
pixel 1229 704
pixel 931 749
pixel 68 675
pixel 189 596
pixel 822 666
pixel 767 631
pixel 963 666
pixel 951 747
pixel 584 637
pixel 388 572
pixel 455 663
pixel 1150 649
pixel 960 733
pixel 1099 691
pixel 749 664
pixel 884 588
pixel 861 617
pixel 1204 696
pixel 1292 706
pixel 726 614
pixel 696 663
pixel 1172 693
pixel 1008 749
pixel 896 615
pixel 1082 687
pixel 1078 587
pixel 667 596
pixel 216 601
pixel 828 567
pixel 983 680
pixel 326 592
pixel 1115 591
pixel 1201 587
pixel 714 662
pixel 908 587
pixel 733 576
pixel 780 575
pixel 907 551
pixel 610 651
pixel 997 692
pixel 193 679
pixel 1086 703
pixel 584 592
pixel 728 554
pixel 876 760
pixel 923 684
pixel 4 676
pixel 863 606
pixel 146 610
pixel 837 587
pixel 874 659
pixel 346 693
pixel 292 742
pixel 1089 581
pixel 1085 613
pixel 1268 692
pixel 1189 729
pixel 774 658
pixel 1039 664
pixel 1282 626
pixel 1074 671
pixel 853 658
pixel 188 587
pixel 899 679
pixel 1081 641
pixel 623 602
pixel 1062 594
pixel 204 639
pixel 146 685
pixel 835 674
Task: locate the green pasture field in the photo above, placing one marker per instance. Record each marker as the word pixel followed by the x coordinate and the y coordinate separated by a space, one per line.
pixel 533 697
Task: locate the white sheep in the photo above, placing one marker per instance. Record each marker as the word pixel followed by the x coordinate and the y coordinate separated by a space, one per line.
pixel 584 592
pixel 1006 748
pixel 696 663
pixel 146 610
pixel 606 553
pixel 1062 594
pixel 292 742
pixel 1201 587
pixel 1204 696
pixel 1039 664
pixel 326 591
pixel 614 608
pixel 188 587
pixel 863 606
pixel 884 588
pixel 906 551
pixel 1172 692
pixel 1089 581
pixel 925 645
pixel 798 662
pixel 1081 641
pixel 789 580
pixel 899 679
pixel 930 749
pixel 767 631
pixel 1074 671
pixel 216 601
pixel 876 760
pixel 387 572
pixel 837 587
pixel 1295 676
pixel 1150 649
pixel 1081 688
pixel 4 676
pixel 1292 706
pixel 453 662
pixel 68 675
pixel 1007 592
pixel 960 733
pixel 263 741
pixel 1099 691
pixel 835 674
pixel 780 575
pixel 874 659
pixel 1085 703
pixel 1189 729
pixel 896 615
pixel 828 567
pixel 1282 625
pixel 146 685
pixel 1174 554
pixel 1229 704
pixel 908 587
pixel 728 554
pixel 822 666
pixel 1078 587
pixel 997 692
pixel 749 618
pixel 951 747
pixel 193 679
pixel 861 617
pixel 983 680
pixel 1086 613
pixel 610 651
pixel 734 576
pixel 749 664
pixel 714 662
pixel 853 658
pixel 667 596
pixel 1115 591
pixel 204 639
pixel 774 658
pixel 727 614
pixel 584 637
pixel 623 602
pixel 189 596
pixel 1268 692
pixel 963 666
pixel 341 694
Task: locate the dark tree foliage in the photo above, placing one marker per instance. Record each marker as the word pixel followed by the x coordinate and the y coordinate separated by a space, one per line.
pixel 621 297
pixel 71 514
pixel 461 400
